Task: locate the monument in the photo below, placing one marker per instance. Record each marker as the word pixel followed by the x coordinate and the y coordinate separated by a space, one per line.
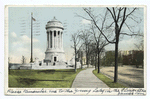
pixel 54 54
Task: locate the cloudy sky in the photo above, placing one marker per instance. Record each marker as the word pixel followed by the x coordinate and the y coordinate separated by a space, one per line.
pixel 19 23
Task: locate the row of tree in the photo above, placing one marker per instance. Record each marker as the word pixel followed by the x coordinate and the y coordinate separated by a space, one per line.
pixel 107 27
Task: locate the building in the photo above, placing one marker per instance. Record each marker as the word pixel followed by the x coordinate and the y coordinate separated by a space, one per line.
pixel 134 57
pixel 126 52
pixel 128 57
pixel 54 53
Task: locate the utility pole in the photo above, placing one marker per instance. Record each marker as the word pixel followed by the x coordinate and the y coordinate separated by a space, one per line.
pixel 31 60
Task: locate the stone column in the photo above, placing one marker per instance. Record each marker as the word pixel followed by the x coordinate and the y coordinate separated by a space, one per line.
pixel 56 39
pixel 62 40
pixel 59 40
pixel 49 39
pixel 52 39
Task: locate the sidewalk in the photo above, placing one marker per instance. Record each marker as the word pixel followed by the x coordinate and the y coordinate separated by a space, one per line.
pixel 86 79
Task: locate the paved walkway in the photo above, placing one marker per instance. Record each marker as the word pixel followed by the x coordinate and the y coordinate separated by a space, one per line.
pixel 86 79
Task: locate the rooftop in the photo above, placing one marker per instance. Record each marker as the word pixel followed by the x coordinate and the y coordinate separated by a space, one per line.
pixel 54 23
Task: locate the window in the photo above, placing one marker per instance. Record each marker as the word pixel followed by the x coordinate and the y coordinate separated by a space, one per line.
pixel 54 33
pixel 55 59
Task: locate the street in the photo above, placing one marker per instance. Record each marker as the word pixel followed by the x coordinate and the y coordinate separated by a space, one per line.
pixel 130 76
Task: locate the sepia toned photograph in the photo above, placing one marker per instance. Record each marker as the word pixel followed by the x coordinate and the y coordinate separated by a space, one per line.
pixel 75 50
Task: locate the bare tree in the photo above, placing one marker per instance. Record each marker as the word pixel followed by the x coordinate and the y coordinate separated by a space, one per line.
pixel 80 56
pixel 85 37
pixel 140 42
pixel 100 44
pixel 139 45
pixel 119 15
pixel 75 38
pixel 93 54
pixel 97 30
pixel 23 59
pixel 81 59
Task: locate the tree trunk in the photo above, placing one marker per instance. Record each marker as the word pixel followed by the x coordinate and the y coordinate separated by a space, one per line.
pixel 116 61
pixel 81 64
pixel 75 67
pixel 86 59
pixel 81 60
pixel 98 63
pixel 87 56
pixel 95 61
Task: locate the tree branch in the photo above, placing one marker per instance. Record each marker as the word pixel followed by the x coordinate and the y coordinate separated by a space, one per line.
pixel 131 34
pixel 110 25
pixel 118 14
pixel 133 19
pixel 104 21
pixel 97 25
pixel 128 27
pixel 114 13
pixel 130 13
pixel 83 17
pixel 123 20
pixel 110 13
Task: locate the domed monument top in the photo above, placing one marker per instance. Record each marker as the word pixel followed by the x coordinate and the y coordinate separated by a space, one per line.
pixel 54 23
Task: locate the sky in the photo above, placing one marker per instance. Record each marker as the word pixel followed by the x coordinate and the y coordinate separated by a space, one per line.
pixel 20 23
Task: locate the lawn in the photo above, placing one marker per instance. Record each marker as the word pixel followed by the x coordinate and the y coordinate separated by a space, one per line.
pixel 107 80
pixel 62 78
